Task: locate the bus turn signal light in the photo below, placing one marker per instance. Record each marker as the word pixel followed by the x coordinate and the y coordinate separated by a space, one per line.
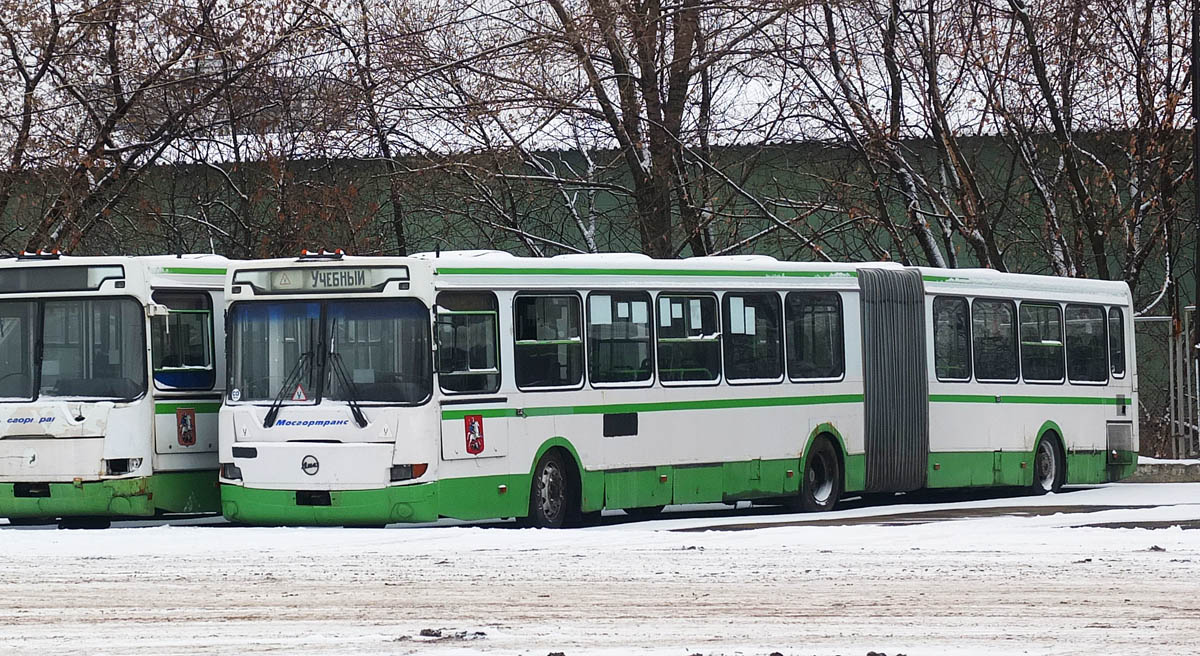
pixel 408 472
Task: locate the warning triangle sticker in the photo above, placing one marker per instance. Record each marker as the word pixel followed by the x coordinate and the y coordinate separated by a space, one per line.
pixel 299 394
pixel 284 280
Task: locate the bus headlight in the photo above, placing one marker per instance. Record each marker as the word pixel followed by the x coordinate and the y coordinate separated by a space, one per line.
pixel 408 472
pixel 231 471
pixel 121 466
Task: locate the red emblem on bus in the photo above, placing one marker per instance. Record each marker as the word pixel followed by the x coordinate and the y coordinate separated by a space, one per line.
pixel 474 429
pixel 185 426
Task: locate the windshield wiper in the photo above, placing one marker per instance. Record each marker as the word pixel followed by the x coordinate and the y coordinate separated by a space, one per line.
pixel 339 369
pixel 289 384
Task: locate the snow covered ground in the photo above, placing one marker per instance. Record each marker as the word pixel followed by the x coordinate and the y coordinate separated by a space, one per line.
pixel 988 576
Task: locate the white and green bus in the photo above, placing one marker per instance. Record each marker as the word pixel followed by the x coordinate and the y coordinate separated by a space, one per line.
pixel 111 376
pixel 482 385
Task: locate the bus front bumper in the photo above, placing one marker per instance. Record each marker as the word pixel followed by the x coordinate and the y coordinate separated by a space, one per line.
pixel 128 497
pixel 143 496
pixel 390 505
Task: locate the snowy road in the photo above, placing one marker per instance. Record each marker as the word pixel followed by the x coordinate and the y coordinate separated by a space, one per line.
pixel 934 578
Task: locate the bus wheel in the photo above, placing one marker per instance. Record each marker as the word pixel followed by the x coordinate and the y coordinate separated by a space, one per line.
pixel 649 512
pixel 821 486
pixel 548 494
pixel 30 521
pixel 84 522
pixel 1047 467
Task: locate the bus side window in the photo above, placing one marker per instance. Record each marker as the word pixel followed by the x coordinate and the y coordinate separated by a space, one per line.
pixel 814 330
pixel 182 341
pixel 468 336
pixel 994 328
pixel 548 338
pixel 1041 343
pixel 1087 344
pixel 689 339
pixel 619 337
pixel 753 348
pixel 951 339
pixel 1116 342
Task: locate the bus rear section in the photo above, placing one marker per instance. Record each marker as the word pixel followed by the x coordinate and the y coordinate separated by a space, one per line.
pixel 328 418
pixel 80 395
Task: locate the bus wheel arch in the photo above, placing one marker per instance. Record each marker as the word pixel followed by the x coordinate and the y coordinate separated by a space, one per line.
pixel 1049 460
pixel 823 473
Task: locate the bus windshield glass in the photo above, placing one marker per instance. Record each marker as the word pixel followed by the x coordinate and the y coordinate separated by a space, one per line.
pixel 355 351
pixel 274 345
pixel 379 351
pixel 93 348
pixel 17 329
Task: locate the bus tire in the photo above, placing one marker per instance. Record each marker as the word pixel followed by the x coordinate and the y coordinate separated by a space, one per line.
pixel 1048 470
pixel 84 523
pixel 549 493
pixel 821 485
pixel 648 512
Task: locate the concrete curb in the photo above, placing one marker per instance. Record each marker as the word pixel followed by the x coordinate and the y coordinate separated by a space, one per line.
pixel 1165 473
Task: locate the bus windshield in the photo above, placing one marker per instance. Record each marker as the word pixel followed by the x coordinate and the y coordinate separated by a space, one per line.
pixel 90 349
pixel 93 348
pixel 17 330
pixel 369 351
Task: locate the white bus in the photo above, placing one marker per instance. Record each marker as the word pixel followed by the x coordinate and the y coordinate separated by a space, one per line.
pixel 111 376
pixel 482 385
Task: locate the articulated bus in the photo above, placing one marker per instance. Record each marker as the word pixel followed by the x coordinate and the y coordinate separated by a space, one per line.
pixel 477 384
pixel 111 376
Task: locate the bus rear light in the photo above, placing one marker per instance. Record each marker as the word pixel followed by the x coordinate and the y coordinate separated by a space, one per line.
pixel 231 471
pixel 121 466
pixel 408 472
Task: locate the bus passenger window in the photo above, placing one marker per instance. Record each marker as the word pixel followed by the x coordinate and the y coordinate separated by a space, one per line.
pixel 814 330
pixel 1041 343
pixel 1087 344
pixel 1116 342
pixel 951 339
pixel 468 333
pixel 689 339
pixel 619 337
pixel 994 328
pixel 549 343
pixel 182 341
pixel 752 342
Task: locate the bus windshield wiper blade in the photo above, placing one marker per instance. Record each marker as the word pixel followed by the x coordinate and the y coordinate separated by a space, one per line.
pixel 339 369
pixel 289 383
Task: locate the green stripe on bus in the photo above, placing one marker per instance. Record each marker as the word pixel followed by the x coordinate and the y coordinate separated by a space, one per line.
pixel 665 406
pixel 194 271
pixel 203 407
pixel 1017 398
pixel 501 271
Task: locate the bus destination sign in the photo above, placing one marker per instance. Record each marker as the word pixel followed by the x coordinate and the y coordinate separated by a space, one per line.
pixel 320 280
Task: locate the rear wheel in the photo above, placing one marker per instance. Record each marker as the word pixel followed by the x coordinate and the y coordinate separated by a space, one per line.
pixel 821 487
pixel 549 494
pixel 1047 467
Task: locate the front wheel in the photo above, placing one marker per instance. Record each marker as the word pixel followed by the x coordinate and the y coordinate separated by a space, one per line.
pixel 821 487
pixel 1047 467
pixel 548 496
